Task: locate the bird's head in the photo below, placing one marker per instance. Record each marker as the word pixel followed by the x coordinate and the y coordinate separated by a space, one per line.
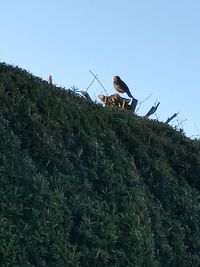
pixel 116 78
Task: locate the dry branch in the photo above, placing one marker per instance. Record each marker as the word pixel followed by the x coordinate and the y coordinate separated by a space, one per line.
pixel 86 95
pixel 139 104
pixel 152 110
pixel 95 77
pixel 134 104
pixel 171 118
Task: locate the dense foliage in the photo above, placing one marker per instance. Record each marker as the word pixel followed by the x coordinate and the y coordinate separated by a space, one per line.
pixel 83 185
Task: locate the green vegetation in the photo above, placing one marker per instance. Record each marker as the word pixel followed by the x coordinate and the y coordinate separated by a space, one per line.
pixel 83 185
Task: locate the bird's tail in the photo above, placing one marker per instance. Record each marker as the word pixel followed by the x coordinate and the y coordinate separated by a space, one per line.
pixel 129 94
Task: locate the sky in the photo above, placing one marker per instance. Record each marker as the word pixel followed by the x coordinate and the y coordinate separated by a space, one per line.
pixel 153 45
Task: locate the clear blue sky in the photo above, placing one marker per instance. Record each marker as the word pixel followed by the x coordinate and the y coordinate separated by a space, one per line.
pixel 153 45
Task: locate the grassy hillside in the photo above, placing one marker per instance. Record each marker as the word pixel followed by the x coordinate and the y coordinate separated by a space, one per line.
pixel 83 185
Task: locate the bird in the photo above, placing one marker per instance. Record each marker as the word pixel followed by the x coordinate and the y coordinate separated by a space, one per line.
pixel 120 86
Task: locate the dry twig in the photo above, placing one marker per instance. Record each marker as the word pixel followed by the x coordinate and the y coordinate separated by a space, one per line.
pixel 139 104
pixel 152 110
pixel 95 77
pixel 172 117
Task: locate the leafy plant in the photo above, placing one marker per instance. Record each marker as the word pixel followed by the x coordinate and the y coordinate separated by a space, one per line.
pixel 83 185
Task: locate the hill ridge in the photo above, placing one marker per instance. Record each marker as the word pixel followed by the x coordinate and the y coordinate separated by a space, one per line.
pixel 83 185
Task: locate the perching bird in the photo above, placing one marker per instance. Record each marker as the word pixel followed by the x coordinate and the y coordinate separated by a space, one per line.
pixel 120 86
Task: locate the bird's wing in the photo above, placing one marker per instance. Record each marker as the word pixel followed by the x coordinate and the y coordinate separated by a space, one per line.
pixel 124 85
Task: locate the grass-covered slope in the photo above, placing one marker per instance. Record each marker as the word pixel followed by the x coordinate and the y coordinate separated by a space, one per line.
pixel 82 185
